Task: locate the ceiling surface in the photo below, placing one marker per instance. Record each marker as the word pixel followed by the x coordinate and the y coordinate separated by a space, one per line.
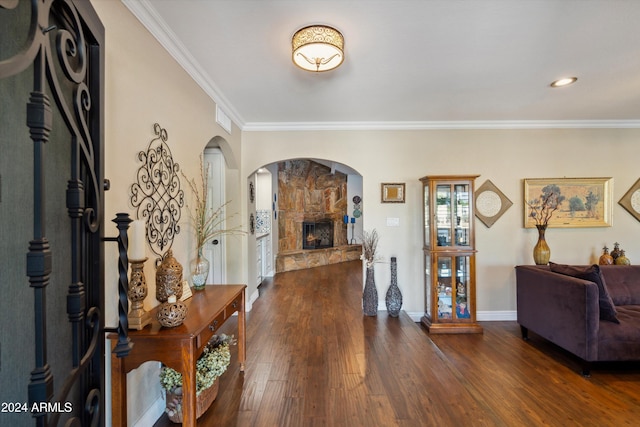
pixel 411 63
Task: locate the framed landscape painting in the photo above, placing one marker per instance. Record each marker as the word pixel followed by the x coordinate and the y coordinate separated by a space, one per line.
pixel 583 202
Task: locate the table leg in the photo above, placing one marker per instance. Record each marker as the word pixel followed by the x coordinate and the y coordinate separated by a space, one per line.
pixel 118 390
pixel 242 348
pixel 188 385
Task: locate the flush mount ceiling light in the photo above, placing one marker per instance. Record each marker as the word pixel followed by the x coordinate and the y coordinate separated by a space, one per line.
pixel 317 48
pixel 566 81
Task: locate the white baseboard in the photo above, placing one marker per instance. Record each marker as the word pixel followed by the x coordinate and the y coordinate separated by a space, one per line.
pixel 152 414
pixel 415 315
pixel 252 298
pixel 496 316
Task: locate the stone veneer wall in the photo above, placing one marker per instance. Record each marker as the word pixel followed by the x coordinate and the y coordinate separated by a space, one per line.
pixel 308 191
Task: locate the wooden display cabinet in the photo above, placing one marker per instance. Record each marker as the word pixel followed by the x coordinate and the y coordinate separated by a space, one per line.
pixel 449 254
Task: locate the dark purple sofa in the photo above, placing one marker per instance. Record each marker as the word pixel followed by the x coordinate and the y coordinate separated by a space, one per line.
pixel 571 311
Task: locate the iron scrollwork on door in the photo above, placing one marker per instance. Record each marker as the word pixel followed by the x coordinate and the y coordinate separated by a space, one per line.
pixel 157 193
pixel 63 45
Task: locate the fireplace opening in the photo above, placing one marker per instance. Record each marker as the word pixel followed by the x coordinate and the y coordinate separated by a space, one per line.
pixel 317 235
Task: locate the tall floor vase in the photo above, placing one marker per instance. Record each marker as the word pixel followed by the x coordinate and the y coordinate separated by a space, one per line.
pixel 393 298
pixel 541 251
pixel 370 294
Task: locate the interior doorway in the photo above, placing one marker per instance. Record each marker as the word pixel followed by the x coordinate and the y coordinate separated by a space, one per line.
pixel 298 191
pixel 214 250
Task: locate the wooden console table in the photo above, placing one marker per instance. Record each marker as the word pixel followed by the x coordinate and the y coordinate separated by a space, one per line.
pixel 179 347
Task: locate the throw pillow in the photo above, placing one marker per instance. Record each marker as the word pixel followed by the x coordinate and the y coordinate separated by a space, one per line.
pixel 593 274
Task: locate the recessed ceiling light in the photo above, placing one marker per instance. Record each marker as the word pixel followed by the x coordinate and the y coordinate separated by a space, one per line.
pixel 566 81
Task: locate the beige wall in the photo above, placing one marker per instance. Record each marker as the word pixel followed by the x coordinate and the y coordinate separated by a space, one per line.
pixel 144 85
pixel 503 156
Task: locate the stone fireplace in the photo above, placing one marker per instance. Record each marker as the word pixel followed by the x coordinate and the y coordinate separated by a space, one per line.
pixel 317 235
pixel 312 201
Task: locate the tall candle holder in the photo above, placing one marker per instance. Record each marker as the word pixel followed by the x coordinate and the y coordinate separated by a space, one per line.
pixel 138 317
pixel 353 231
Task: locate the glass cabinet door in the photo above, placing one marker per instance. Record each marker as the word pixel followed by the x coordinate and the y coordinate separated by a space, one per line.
pixel 462 215
pixel 427 217
pixel 443 214
pixel 444 289
pixel 427 281
pixel 452 287
pixel 463 281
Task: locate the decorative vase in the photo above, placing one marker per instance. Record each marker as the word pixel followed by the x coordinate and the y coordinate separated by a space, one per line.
pixel 171 313
pixel 541 251
pixel 203 401
pixel 605 258
pixel 615 253
pixel 622 259
pixel 199 271
pixel 370 294
pixel 168 278
pixel 393 298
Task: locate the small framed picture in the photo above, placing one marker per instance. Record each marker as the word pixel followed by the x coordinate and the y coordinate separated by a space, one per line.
pixel 186 291
pixel 392 192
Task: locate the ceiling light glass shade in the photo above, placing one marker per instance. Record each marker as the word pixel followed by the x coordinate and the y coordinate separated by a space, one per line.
pixel 564 81
pixel 318 48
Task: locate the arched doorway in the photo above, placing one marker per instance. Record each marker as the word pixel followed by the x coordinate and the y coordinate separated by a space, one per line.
pixel 300 191
pixel 222 165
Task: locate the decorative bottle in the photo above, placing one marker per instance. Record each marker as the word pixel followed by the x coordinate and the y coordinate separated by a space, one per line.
pixel 605 258
pixel 615 253
pixel 622 259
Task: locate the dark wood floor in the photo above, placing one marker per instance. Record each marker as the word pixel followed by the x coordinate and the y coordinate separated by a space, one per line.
pixel 313 359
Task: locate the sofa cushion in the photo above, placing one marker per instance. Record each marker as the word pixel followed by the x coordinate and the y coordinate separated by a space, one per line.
pixel 623 283
pixel 592 274
pixel 620 342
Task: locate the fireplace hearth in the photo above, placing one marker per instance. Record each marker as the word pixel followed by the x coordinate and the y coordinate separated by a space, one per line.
pixel 317 235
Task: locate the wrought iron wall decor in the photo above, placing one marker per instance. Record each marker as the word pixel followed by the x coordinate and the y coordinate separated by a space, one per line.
pixel 63 49
pixel 157 193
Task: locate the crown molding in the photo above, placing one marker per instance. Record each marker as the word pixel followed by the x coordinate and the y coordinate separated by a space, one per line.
pixel 442 125
pixel 147 15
